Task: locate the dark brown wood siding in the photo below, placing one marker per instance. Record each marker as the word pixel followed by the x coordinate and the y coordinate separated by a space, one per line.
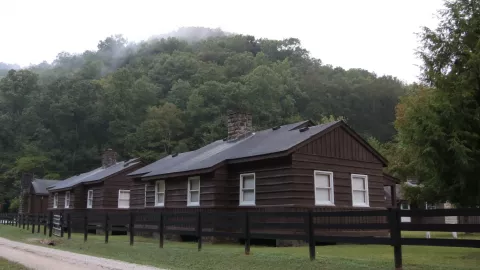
pixel 61 199
pixel 273 182
pixel 115 183
pixel 37 203
pixel 343 155
pixel 175 192
pixel 97 195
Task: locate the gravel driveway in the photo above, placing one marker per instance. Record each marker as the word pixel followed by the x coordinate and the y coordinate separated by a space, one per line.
pixel 37 257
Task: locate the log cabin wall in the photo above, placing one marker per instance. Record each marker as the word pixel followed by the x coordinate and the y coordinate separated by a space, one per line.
pixel 98 190
pixel 274 185
pixel 113 184
pixel 176 189
pixel 342 154
pixel 38 204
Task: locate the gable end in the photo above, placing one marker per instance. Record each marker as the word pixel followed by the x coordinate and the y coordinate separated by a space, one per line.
pixel 341 142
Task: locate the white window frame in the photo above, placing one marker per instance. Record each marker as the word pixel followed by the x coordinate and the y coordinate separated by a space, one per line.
pixel 367 195
pixel 145 201
pixel 331 202
pixel 242 190
pixel 124 191
pixel 90 199
pixel 189 191
pixel 55 200
pixel 157 191
pixel 67 199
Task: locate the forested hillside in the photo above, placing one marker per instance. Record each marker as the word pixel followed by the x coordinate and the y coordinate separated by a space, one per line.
pixel 172 95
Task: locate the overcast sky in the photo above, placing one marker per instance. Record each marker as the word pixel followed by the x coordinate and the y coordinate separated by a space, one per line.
pixel 377 35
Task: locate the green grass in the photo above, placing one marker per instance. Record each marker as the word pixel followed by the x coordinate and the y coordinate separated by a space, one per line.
pixel 8 265
pixel 177 255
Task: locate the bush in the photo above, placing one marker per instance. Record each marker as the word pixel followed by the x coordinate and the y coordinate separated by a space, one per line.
pixel 14 205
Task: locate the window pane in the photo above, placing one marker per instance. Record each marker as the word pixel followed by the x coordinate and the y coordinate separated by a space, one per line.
pixel 322 194
pixel 249 196
pixel 358 183
pixel 249 183
pixel 322 180
pixel 194 196
pixel 359 197
pixel 160 197
pixel 160 186
pixel 194 184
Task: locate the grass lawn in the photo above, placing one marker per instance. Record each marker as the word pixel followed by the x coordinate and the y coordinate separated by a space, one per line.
pixel 177 255
pixel 8 265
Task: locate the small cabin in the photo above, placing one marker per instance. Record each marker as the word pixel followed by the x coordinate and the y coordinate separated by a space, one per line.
pixel 294 166
pixel 106 187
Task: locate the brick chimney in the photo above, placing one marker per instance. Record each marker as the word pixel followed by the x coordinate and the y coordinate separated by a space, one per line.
pixel 239 125
pixel 109 158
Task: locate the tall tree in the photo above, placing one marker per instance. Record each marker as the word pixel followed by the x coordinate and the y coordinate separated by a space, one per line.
pixel 439 128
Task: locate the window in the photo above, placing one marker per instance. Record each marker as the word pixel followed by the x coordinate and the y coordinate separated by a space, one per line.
pixel 160 193
pixel 247 189
pixel 124 198
pixel 360 190
pixel 193 195
pixel 323 188
pixel 90 198
pixel 55 200
pixel 145 202
pixel 67 199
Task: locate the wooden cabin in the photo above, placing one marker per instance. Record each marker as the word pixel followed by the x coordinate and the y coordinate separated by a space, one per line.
pixel 38 199
pixel 292 167
pixel 34 194
pixel 106 187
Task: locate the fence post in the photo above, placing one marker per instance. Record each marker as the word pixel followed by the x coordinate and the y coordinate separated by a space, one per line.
pixel 246 230
pixel 50 224
pixel 85 227
pixel 130 227
pixel 160 230
pixel 38 223
pixel 33 223
pixel 17 220
pixel 106 228
pixel 45 224
pixel 62 220
pixel 28 222
pixel 69 226
pixel 310 235
pixel 199 230
pixel 395 236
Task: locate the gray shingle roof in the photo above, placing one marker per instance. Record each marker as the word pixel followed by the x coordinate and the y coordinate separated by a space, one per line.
pixel 259 143
pixel 97 174
pixel 40 185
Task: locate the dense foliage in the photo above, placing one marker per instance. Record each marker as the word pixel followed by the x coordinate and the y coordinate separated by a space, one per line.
pixel 438 123
pixel 171 95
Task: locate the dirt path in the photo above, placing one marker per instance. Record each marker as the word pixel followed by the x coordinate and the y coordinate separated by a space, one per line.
pixel 37 257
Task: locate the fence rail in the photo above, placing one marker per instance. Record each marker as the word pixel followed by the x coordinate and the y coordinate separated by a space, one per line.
pixel 308 226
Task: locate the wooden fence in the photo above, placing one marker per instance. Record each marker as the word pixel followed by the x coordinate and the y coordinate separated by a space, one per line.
pixel 305 226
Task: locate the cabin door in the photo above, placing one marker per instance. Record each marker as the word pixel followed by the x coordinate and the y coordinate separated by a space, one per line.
pixel 405 206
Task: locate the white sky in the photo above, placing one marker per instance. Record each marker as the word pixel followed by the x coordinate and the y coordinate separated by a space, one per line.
pixel 377 35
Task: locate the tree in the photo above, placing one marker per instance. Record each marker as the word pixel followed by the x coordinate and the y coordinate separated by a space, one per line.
pixel 167 95
pixel 439 127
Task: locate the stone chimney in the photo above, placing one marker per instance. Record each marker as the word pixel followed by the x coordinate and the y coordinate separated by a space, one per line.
pixel 239 125
pixel 109 158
